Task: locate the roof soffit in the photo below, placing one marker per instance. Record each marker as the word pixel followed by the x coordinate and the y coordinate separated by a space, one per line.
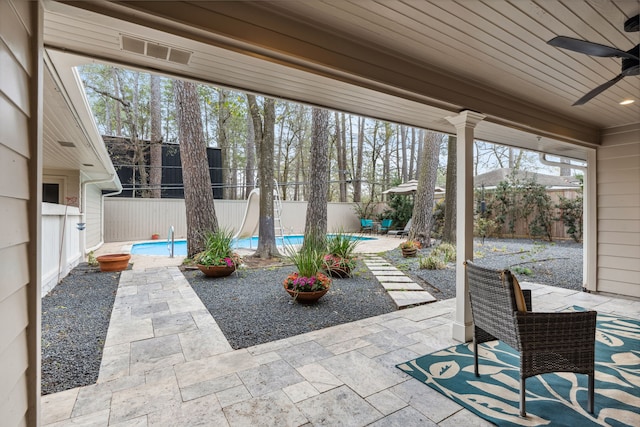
pixel 250 29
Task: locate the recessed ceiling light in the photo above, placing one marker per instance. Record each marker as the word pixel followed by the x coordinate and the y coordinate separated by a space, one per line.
pixel 627 101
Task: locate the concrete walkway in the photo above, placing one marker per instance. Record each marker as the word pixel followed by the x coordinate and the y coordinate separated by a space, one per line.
pixel 166 363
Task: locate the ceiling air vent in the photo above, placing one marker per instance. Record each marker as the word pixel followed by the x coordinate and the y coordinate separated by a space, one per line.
pixel 67 144
pixel 154 50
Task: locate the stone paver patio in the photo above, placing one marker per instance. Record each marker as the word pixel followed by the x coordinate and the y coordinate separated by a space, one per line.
pixel 166 362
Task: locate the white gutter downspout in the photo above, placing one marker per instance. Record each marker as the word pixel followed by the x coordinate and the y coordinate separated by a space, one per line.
pixel 112 178
pixel 590 212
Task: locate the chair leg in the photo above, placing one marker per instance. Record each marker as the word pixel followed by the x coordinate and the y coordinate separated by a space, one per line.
pixel 523 404
pixel 475 357
pixel 591 393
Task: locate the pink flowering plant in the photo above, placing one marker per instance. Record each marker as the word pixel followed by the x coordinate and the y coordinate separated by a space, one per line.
pixel 298 283
pixel 218 250
pixel 308 278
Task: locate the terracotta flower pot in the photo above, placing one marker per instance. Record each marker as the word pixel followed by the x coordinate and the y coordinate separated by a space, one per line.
pixel 113 262
pixel 306 297
pixel 216 270
pixel 339 272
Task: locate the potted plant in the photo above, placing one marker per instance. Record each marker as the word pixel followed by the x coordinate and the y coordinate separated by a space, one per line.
pixel 340 259
pixel 218 259
pixel 410 248
pixel 113 262
pixel 308 284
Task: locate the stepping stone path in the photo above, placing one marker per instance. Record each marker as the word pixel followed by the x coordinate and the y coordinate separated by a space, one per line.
pixel 401 288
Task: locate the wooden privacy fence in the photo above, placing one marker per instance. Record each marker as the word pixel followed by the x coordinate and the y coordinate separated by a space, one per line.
pixel 558 229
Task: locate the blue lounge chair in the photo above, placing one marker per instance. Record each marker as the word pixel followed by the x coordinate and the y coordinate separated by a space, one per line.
pixel 366 225
pixel 385 225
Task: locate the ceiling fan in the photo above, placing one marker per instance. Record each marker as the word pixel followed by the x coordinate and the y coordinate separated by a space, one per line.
pixel 630 58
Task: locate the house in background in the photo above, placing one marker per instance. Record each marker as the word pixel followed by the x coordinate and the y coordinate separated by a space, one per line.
pixel 76 174
pixel 474 69
pixel 492 178
pixel 172 185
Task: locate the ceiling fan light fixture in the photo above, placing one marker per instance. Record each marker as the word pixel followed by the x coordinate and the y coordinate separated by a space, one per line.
pixel 627 101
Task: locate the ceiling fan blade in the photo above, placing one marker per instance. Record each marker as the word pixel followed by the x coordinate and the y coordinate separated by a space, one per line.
pixel 597 91
pixel 589 48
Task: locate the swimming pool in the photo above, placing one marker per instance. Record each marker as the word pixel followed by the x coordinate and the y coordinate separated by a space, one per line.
pixel 160 247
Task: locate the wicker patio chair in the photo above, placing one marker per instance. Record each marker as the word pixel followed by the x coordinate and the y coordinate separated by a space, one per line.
pixel 547 342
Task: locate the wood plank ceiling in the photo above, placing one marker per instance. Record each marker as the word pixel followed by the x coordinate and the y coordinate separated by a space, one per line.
pixel 410 61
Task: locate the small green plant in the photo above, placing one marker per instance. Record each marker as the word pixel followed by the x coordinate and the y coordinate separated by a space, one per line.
pixel 308 260
pixel 431 263
pixel 522 270
pixel 446 251
pixel 484 227
pixel 91 259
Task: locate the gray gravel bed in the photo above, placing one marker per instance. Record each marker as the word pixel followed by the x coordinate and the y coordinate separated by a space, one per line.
pixel 75 319
pixel 252 307
pixel 549 263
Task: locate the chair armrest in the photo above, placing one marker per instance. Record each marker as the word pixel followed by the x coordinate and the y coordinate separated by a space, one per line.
pixel 556 331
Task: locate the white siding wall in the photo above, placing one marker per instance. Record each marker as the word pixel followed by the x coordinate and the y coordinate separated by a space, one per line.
pixel 127 219
pixel 619 211
pixel 93 216
pixel 19 310
pixel 69 181
pixel 60 243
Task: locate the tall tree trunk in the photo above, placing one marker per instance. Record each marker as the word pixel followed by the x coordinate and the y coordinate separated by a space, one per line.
pixel 386 162
pixel 264 128
pixel 223 142
pixel 250 177
pixel 155 175
pixel 449 230
pixel 403 147
pixel 116 90
pixel 412 157
pixel 423 207
pixel 315 229
pixel 357 179
pixel 341 156
pixel 420 152
pixel 198 196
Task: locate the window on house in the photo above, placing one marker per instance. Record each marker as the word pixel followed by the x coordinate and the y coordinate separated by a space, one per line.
pixel 51 193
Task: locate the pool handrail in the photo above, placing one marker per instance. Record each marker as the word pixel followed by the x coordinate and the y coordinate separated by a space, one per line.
pixel 171 241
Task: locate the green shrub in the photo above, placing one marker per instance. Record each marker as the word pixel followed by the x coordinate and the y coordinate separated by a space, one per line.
pixel 432 263
pixel 446 251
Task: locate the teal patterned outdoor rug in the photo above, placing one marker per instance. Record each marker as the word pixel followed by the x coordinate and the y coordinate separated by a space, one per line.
pixel 552 399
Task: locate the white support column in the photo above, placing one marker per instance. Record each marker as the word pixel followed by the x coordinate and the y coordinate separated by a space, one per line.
pixel 590 226
pixel 465 123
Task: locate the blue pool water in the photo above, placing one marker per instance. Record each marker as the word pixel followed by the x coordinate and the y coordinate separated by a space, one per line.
pixel 161 248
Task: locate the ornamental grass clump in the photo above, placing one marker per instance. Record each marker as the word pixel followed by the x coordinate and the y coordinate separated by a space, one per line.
pixel 219 250
pixel 309 261
pixel 340 259
pixel 439 257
